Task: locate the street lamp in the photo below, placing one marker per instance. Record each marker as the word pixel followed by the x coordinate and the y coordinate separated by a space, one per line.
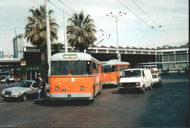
pixel 116 17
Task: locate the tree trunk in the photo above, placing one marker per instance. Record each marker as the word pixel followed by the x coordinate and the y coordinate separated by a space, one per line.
pixel 43 58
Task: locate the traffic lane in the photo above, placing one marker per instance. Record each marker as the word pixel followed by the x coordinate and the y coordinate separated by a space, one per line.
pixel 170 105
pixel 109 109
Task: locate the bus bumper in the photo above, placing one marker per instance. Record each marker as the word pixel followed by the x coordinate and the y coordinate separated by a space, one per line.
pixel 70 96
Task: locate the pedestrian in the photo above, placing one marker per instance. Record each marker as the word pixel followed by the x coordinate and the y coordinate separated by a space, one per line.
pixel 39 80
pixel 43 93
pixel 7 81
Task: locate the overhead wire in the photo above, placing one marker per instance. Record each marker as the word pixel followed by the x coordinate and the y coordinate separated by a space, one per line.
pixel 67 6
pixel 58 7
pixel 146 14
pixel 35 2
pixel 140 18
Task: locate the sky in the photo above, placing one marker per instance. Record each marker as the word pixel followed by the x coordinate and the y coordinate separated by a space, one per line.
pixel 134 27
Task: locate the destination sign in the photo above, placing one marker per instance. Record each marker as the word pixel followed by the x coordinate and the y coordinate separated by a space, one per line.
pixel 69 56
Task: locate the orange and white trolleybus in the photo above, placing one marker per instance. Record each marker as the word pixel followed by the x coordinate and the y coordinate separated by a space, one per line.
pixel 74 76
pixel 111 71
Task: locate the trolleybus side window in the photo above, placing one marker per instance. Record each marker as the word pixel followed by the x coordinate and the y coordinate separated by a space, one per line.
pixel 97 66
pixel 59 68
pixel 81 68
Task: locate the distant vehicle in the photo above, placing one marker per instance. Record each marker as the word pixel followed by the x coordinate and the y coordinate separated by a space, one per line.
pixel 137 78
pixel 11 79
pixel 4 74
pixel 181 71
pixel 153 68
pixel 23 90
pixel 111 71
pixel 156 80
pixel 165 72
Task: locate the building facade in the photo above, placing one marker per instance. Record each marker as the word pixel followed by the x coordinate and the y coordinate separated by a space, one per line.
pixel 18 43
pixel 1 53
pixel 167 58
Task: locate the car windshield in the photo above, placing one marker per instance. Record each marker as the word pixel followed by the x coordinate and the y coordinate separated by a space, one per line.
pixel 131 73
pixel 24 84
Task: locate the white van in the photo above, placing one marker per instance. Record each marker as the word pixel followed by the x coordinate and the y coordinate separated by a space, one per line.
pixel 136 78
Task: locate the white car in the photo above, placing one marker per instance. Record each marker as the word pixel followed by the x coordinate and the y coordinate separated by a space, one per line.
pixel 137 78
pixel 156 80
pixel 23 90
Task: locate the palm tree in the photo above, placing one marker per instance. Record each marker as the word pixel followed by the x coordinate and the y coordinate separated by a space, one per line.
pixel 56 47
pixel 81 31
pixel 35 30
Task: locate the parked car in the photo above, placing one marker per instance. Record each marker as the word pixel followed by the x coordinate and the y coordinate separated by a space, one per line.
pixel 165 72
pixel 181 71
pixel 156 80
pixel 23 90
pixel 11 79
pixel 137 78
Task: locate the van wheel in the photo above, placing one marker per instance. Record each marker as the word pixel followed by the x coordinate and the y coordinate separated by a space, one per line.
pixel 143 89
pixel 24 97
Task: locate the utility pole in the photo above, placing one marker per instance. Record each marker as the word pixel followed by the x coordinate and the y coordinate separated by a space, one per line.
pixel 15 32
pixel 65 32
pixel 48 39
pixel 116 17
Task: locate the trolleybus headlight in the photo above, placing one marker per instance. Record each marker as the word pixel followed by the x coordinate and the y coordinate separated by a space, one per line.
pixel 81 88
pixel 56 88
pixel 138 84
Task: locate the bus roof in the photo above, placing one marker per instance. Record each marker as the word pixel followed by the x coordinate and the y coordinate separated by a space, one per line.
pixel 115 62
pixel 72 56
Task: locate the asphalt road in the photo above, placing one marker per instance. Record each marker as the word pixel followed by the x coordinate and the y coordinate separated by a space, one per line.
pixel 167 106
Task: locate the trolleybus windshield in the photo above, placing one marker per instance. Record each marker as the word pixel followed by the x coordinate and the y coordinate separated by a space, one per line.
pixel 59 67
pixel 76 68
pixel 109 68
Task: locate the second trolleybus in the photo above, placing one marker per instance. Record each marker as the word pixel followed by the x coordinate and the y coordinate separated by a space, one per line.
pixel 111 71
